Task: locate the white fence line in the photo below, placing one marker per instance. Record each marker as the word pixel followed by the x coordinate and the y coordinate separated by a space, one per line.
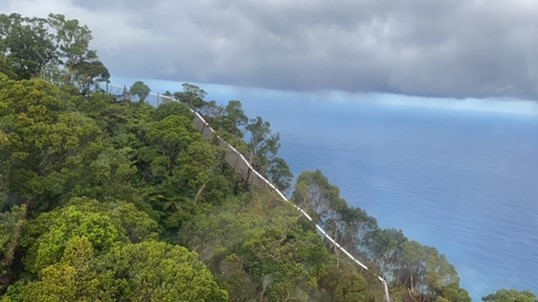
pixel 238 162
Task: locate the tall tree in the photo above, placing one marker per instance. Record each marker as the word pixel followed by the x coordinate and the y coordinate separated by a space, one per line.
pixel 192 95
pixel 80 65
pixel 140 89
pixel 27 44
pixel 262 143
pixel 88 73
pixel 72 40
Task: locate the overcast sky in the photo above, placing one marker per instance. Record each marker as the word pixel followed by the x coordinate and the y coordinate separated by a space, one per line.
pixel 449 48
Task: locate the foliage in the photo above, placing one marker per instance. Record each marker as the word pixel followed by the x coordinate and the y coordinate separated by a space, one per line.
pixel 26 44
pixel 140 89
pixel 11 226
pixel 96 197
pixel 421 270
pixel 510 295
pixel 157 271
pixel 54 48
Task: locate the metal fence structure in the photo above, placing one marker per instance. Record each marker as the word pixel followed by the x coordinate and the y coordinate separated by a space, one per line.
pixel 241 165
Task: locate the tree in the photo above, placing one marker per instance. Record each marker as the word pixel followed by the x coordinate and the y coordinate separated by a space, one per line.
pixel 6 68
pixel 48 236
pixel 157 271
pixel 140 89
pixel 170 136
pixel 197 167
pixel 88 73
pixel 73 278
pixel 192 95
pixel 11 227
pixel 279 173
pixel 78 64
pixel 43 155
pixel 262 143
pixel 26 44
pixel 510 295
pixel 234 119
pixel 345 285
pixel 322 200
pixel 172 108
pixel 54 48
pixel 72 40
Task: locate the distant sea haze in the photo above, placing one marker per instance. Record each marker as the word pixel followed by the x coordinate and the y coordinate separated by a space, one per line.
pixel 459 175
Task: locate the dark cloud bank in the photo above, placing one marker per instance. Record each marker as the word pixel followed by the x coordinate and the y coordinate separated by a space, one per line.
pixel 449 48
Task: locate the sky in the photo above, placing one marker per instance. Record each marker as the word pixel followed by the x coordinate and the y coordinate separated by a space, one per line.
pixel 441 48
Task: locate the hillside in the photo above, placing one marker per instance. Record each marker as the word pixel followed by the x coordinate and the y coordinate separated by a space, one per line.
pixel 104 199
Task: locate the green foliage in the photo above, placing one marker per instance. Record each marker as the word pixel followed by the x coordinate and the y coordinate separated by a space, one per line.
pixel 171 136
pixel 280 174
pixel 52 152
pixel 71 279
pixel 72 40
pixel 197 166
pixel 86 74
pixel 172 108
pixel 54 48
pixel 48 236
pixel 88 187
pixel 510 295
pixel 258 249
pixel 11 226
pixel 140 89
pixel 6 69
pixel 157 271
pixel 345 285
pixel 192 95
pixel 26 44
pixel 421 270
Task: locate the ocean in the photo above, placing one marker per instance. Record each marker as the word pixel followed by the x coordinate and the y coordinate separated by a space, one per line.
pixel 459 175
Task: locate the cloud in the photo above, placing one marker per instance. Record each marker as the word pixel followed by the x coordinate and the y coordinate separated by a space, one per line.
pixel 449 48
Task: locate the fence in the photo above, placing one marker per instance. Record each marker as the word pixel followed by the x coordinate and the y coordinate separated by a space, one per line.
pixel 241 166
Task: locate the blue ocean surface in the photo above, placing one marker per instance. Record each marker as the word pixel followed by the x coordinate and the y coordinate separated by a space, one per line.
pixel 459 175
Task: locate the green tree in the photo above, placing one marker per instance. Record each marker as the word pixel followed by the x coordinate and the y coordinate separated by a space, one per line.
pixel 5 68
pixel 170 136
pixel 73 278
pixel 234 119
pixel 192 95
pixel 171 108
pixel 88 73
pixel 26 44
pixel 11 227
pixel 262 143
pixel 47 237
pixel 140 89
pixel 157 271
pixel 510 295
pixel 72 40
pixel 197 166
pixel 45 142
pixel 279 173
pixel 345 285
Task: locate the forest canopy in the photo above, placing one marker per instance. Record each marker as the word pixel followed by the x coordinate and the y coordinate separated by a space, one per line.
pixel 107 199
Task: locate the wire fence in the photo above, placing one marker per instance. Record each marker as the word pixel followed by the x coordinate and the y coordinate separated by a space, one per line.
pixel 241 165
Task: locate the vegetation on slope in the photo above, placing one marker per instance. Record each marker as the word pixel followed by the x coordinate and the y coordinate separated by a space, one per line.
pixel 105 200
